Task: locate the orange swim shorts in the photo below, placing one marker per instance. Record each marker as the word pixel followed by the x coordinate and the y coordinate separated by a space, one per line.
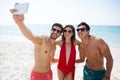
pixel 41 76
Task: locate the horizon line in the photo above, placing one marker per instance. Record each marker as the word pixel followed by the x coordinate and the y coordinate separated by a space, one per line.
pixel 63 24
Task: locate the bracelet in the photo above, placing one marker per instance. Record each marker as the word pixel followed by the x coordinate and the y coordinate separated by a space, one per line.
pixel 107 77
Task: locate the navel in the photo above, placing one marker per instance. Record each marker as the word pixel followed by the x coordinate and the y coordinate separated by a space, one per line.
pixel 46 51
pixel 40 43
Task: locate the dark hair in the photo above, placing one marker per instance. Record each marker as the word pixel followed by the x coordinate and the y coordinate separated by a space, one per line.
pixel 85 24
pixel 73 38
pixel 58 25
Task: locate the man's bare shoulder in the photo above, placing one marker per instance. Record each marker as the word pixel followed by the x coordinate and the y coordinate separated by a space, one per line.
pixel 42 36
pixel 99 41
pixel 40 39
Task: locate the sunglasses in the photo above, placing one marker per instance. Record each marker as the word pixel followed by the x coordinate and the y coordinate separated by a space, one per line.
pixel 68 31
pixel 55 30
pixel 81 29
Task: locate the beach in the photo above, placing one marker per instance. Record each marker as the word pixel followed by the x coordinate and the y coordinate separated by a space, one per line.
pixel 17 60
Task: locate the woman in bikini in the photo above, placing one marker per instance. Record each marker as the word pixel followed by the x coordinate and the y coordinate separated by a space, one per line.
pixel 66 63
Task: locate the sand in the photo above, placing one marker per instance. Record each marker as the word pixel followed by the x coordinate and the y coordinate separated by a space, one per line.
pixel 16 60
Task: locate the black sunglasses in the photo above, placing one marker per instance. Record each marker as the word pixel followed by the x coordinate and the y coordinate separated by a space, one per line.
pixel 58 31
pixel 69 31
pixel 81 29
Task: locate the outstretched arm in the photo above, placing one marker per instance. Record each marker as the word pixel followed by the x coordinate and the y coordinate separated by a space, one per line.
pixel 19 20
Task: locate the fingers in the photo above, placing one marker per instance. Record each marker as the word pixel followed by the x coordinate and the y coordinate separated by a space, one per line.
pixel 13 11
pixel 18 17
pixel 16 3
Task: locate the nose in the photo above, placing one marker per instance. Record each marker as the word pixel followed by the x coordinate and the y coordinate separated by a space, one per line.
pixel 79 31
pixel 55 31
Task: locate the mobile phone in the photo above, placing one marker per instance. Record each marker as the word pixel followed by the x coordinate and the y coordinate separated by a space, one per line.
pixel 21 8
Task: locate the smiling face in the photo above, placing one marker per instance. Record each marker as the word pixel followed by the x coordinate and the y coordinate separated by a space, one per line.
pixel 82 31
pixel 55 32
pixel 68 33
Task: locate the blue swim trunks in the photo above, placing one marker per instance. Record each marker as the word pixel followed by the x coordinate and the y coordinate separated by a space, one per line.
pixel 89 74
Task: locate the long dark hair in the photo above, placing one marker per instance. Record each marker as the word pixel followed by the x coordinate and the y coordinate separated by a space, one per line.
pixel 73 38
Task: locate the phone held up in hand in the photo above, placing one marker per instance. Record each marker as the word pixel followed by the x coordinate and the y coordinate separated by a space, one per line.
pixel 21 8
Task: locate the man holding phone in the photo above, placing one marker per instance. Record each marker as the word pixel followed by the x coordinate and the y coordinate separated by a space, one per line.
pixel 44 47
pixel 21 8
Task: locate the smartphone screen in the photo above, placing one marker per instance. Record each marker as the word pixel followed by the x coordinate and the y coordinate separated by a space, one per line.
pixel 21 8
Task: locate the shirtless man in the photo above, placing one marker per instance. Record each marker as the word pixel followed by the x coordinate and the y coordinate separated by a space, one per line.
pixel 94 50
pixel 44 48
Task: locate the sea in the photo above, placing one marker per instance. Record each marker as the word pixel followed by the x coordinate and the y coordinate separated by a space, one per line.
pixel 109 33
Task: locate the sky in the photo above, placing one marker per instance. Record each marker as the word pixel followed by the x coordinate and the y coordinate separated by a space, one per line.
pixel 94 12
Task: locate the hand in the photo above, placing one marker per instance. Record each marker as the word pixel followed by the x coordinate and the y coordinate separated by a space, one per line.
pixel 17 18
pixel 54 60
